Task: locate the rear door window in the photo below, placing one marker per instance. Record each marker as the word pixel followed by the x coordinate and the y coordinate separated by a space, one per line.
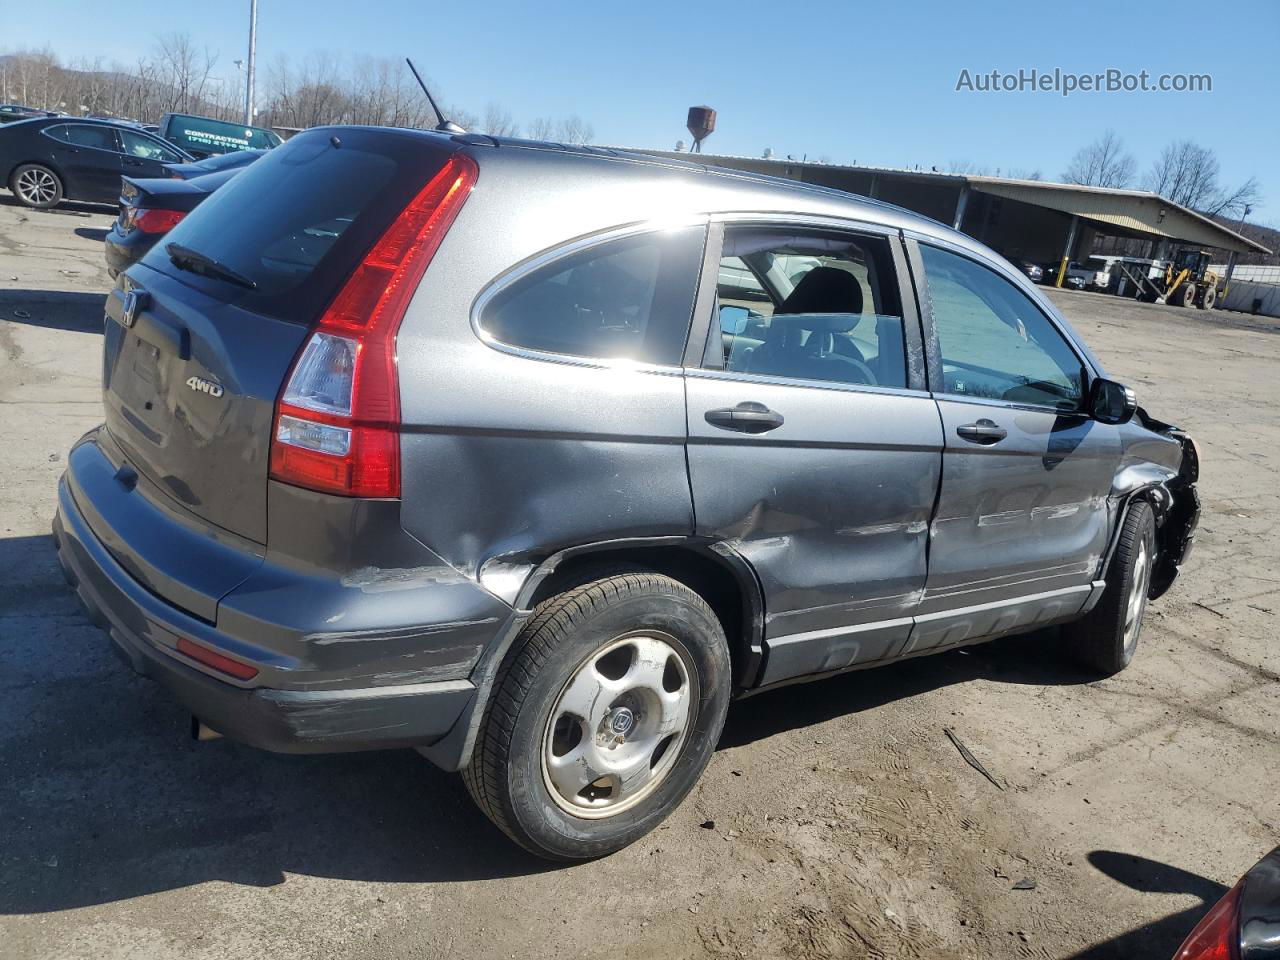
pixel 807 305
pixel 627 299
pixel 297 222
pixel 87 135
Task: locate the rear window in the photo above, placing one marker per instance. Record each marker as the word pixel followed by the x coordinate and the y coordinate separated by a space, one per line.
pixel 297 221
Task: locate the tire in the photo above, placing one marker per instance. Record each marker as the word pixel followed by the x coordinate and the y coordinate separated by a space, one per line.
pixel 1209 298
pixel 1186 295
pixel 1105 640
pixel 36 186
pixel 577 694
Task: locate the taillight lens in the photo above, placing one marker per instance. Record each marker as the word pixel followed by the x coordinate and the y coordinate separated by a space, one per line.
pixel 211 658
pixel 337 424
pixel 1217 935
pixel 157 221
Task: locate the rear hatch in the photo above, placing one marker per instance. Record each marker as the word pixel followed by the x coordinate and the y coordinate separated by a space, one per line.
pixel 202 332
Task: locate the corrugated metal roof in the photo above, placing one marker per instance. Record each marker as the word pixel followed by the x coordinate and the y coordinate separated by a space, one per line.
pixel 1136 210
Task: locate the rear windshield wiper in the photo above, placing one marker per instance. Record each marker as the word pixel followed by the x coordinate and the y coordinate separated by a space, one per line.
pixel 184 258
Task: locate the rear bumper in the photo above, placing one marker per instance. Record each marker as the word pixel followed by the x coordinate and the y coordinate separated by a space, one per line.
pixel 124 250
pixel 145 630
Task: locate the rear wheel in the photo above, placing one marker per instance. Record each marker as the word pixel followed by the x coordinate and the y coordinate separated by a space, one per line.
pixel 36 186
pixel 603 716
pixel 1185 296
pixel 1106 639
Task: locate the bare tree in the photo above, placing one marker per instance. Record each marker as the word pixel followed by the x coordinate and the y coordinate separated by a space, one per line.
pixel 542 128
pixel 1187 173
pixel 1103 163
pixel 498 122
pixel 184 69
pixel 573 129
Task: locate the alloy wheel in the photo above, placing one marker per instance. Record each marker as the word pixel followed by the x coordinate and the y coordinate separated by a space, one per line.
pixel 36 186
pixel 619 725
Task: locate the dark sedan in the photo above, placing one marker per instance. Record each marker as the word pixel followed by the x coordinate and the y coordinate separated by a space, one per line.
pixel 1245 923
pixel 45 161
pixel 215 164
pixel 12 112
pixel 150 208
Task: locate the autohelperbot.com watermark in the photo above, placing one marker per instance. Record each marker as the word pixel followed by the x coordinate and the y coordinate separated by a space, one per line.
pixel 1065 82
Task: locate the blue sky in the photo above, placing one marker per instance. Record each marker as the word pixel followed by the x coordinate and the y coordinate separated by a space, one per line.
pixel 872 83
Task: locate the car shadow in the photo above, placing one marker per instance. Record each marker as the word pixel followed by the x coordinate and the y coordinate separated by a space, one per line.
pixel 75 208
pixel 1158 939
pixel 91 233
pixel 107 798
pixel 56 309
pixel 1033 658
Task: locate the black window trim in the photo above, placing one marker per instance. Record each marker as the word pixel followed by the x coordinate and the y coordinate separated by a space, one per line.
pixel 705 324
pixel 560 251
pixel 933 351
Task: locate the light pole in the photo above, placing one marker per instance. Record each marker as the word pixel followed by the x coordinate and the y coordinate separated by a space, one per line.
pixel 253 54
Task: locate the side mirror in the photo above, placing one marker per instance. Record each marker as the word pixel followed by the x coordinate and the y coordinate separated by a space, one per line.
pixel 1111 402
pixel 733 320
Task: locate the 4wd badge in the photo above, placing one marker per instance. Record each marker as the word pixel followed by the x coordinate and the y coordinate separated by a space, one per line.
pixel 201 385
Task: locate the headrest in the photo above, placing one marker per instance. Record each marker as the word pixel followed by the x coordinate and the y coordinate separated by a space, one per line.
pixel 824 290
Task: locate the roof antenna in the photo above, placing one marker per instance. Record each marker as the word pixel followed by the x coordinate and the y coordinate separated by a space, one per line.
pixel 444 126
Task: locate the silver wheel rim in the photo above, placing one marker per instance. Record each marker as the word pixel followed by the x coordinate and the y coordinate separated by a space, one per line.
pixel 618 726
pixel 37 186
pixel 1137 595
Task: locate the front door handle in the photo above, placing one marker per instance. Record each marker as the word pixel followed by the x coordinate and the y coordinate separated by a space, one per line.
pixel 746 417
pixel 985 432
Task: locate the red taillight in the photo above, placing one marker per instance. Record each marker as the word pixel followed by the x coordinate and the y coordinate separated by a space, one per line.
pixel 210 658
pixel 337 423
pixel 1217 935
pixel 157 221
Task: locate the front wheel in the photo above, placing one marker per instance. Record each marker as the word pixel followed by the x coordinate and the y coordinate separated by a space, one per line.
pixel 603 716
pixel 1106 639
pixel 36 186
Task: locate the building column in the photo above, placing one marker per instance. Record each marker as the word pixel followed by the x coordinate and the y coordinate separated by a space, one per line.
pixel 1066 253
pixel 961 203
pixel 1226 280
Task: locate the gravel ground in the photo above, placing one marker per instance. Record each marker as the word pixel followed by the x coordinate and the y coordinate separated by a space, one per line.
pixel 837 819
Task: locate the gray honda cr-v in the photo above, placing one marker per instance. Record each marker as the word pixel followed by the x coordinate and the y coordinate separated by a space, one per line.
pixel 534 457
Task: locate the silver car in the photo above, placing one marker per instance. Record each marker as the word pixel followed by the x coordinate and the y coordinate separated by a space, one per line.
pixel 534 457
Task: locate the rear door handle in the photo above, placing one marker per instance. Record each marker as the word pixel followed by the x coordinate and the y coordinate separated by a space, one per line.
pixel 985 432
pixel 746 417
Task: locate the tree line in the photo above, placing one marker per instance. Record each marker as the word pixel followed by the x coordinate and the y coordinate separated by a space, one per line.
pixel 178 76
pixel 1185 172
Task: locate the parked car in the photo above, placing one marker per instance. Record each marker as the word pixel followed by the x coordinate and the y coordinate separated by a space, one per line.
pixel 52 159
pixel 149 209
pixel 391 461
pixel 1245 923
pixel 10 112
pixel 1034 272
pixel 213 164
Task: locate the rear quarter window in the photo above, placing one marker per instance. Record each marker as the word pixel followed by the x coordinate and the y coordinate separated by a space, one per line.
pixel 297 221
pixel 624 299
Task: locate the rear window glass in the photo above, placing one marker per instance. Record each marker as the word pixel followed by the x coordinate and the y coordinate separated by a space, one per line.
pixel 626 299
pixel 85 135
pixel 296 222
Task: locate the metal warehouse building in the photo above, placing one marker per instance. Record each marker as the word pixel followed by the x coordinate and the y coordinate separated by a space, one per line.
pixel 1022 219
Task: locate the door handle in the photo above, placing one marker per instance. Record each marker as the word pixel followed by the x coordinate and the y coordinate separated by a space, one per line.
pixel 985 432
pixel 746 417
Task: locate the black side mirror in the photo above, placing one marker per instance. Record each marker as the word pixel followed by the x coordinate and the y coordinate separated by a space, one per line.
pixel 1111 402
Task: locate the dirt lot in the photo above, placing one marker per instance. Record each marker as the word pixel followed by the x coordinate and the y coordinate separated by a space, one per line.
pixel 845 822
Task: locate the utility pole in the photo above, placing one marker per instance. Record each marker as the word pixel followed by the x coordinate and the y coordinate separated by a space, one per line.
pixel 253 54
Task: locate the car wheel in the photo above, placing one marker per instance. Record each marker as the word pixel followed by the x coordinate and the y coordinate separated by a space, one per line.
pixel 1105 640
pixel 603 716
pixel 36 186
